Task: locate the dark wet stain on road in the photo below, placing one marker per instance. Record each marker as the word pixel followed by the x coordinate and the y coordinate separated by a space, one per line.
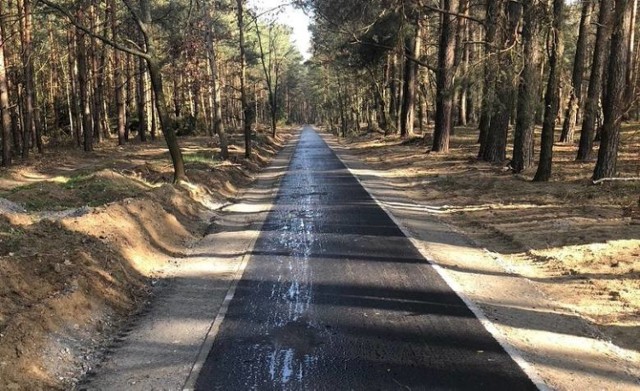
pixel 335 297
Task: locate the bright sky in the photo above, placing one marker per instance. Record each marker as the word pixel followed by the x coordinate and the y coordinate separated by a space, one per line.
pixel 290 16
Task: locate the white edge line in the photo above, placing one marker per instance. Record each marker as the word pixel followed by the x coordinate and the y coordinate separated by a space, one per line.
pixel 212 333
pixel 486 323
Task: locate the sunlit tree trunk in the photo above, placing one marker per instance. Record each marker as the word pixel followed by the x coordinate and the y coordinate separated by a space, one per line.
pixel 394 92
pixel 575 98
pixel 246 106
pixel 30 128
pixel 490 51
pixel 615 101
pixel 412 52
pixel 4 95
pixel 74 98
pixel 594 92
pixel 141 94
pixel 445 77
pixel 552 95
pixel 506 15
pixel 632 87
pixel 528 86
pixel 83 85
pixel 463 52
pixel 153 64
pixel 117 76
pixel 98 56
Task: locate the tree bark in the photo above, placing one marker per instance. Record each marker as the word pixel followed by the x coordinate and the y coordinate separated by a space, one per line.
pixel 412 51
pixel 575 99
pixel 615 102
pixel 507 16
pixel 218 125
pixel 98 57
pixel 528 87
pixel 632 87
pixel 246 107
pixel 141 94
pixel 83 86
pixel 591 108
pixel 394 93
pixel 271 70
pixel 445 77
pixel 118 79
pixel 74 98
pixel 552 95
pixel 153 63
pixel 4 96
pixel 28 111
pixel 488 93
pixel 464 49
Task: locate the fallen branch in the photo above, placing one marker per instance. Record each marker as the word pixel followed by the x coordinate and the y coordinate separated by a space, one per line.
pixel 601 180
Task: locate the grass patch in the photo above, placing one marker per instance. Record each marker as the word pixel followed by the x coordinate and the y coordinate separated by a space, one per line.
pixel 80 190
pixel 208 159
pixel 94 190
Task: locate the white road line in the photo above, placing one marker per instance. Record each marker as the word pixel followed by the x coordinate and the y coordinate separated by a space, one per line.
pixel 486 323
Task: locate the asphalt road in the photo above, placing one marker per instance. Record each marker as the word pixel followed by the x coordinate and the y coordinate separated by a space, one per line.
pixel 335 297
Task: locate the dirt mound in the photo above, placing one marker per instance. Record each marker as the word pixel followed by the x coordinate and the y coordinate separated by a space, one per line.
pixel 54 280
pixel 82 237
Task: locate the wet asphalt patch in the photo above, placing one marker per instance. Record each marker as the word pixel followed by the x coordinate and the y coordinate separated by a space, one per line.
pixel 336 297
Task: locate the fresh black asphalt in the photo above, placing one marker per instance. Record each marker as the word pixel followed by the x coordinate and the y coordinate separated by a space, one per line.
pixel 335 297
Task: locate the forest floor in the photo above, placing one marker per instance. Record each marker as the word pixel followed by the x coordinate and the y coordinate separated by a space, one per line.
pixel 579 242
pixel 85 236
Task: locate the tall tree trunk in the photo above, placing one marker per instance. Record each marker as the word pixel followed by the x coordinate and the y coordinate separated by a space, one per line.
pixel 615 101
pixel 153 129
pixel 507 17
pixel 30 76
pixel 142 99
pixel 412 51
pixel 97 64
pixel 270 69
pixel 130 94
pixel 458 106
pixel 464 48
pixel 83 86
pixel 591 108
pixel 528 86
pixel 474 88
pixel 632 87
pixel 246 106
pixel 488 93
pixel 28 115
pixel 575 98
pixel 4 95
pixel 552 95
pixel 74 93
pixel 445 77
pixel 394 92
pixel 118 79
pixel 162 105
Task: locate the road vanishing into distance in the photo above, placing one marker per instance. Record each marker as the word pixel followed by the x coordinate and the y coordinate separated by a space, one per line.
pixel 335 297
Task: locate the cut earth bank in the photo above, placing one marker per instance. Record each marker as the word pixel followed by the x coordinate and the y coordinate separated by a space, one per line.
pixel 85 237
pixel 555 267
